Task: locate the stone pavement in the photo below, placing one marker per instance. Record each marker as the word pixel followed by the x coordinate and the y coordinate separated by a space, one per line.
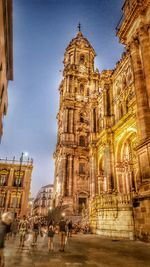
pixel 81 250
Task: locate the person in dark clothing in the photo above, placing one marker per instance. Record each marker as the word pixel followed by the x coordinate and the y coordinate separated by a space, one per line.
pixel 5 225
pixel 35 231
pixel 51 232
pixel 62 231
pixel 70 228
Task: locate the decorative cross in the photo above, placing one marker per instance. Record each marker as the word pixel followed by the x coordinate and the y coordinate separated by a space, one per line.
pixel 79 27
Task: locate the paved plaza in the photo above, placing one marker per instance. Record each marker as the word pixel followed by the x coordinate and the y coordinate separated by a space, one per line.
pixel 81 250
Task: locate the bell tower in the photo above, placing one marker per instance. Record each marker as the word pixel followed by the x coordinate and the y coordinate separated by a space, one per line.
pixel 76 127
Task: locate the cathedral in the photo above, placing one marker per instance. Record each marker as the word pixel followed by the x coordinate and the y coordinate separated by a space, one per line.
pixel 102 157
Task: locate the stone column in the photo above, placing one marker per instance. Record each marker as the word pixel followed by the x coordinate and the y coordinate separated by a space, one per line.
pixel 65 89
pixel 67 84
pixel 91 119
pixel 73 84
pixel 10 179
pixel 63 120
pixel 96 85
pixel 66 111
pixel 105 100
pixel 64 174
pixel 70 174
pixel 107 167
pixel 93 174
pixel 145 51
pixel 72 120
pixel 105 105
pixel 143 111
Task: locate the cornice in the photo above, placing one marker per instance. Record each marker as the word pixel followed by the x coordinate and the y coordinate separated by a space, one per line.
pixel 127 22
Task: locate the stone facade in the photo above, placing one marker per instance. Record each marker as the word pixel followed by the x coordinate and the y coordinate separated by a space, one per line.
pixel 134 33
pixel 76 126
pixel 112 215
pixel 43 201
pixel 110 112
pixel 15 179
pixel 6 56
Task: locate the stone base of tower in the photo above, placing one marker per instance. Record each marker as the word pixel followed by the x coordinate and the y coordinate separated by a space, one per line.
pixel 67 203
pixel 141 202
pixel 70 212
pixel 141 208
pixel 112 216
pixel 142 218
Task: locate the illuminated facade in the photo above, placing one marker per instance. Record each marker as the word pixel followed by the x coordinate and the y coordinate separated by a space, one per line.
pixel 6 56
pixel 43 201
pixel 76 126
pixel 104 123
pixel 15 179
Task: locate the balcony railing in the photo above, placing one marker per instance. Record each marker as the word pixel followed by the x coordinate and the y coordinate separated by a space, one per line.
pixel 14 161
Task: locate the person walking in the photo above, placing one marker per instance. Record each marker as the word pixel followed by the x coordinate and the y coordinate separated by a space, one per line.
pixel 62 231
pixel 35 231
pixel 70 228
pixel 5 225
pixel 51 232
pixel 23 228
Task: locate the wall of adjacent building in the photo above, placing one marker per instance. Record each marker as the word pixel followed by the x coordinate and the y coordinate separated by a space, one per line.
pixel 15 180
pixel 6 56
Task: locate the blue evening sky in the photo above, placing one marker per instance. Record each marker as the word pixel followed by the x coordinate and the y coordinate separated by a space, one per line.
pixel 42 30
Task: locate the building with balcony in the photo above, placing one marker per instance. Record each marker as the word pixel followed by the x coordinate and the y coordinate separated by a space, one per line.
pixel 6 56
pixel 43 201
pixel 15 180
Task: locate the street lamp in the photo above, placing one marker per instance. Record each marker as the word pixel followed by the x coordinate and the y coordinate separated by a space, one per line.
pixel 24 154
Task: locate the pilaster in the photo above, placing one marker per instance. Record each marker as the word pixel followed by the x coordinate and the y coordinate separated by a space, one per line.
pixel 70 175
pixel 144 40
pixel 143 111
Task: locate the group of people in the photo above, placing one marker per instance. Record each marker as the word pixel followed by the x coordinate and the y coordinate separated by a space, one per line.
pixel 37 226
pixel 30 228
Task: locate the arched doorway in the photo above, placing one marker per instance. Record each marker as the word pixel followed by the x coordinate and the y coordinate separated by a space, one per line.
pixel 126 163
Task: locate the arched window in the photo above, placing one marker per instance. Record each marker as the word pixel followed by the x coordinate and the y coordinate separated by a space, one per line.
pixel 82 59
pixel 81 88
pixel 81 117
pixel 82 141
pixel 81 168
